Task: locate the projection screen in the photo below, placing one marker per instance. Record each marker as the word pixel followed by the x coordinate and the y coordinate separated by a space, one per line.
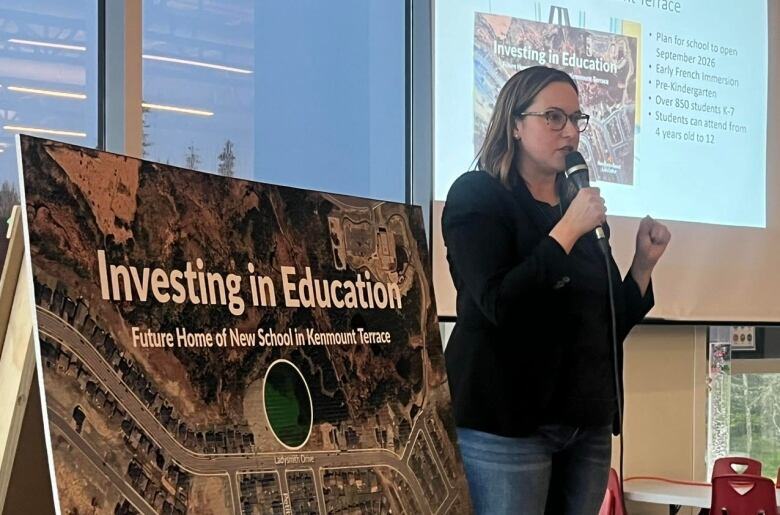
pixel 685 127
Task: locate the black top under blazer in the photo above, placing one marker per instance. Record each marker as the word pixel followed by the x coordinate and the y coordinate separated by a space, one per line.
pixel 532 343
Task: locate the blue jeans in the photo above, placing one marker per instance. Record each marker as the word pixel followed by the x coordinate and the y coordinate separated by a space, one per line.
pixel 559 470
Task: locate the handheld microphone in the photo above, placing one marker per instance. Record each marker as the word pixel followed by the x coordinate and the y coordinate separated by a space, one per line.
pixel 577 172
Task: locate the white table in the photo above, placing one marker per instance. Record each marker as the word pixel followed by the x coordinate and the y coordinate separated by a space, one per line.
pixel 672 494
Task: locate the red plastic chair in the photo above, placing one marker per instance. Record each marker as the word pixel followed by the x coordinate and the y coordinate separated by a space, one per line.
pixel 612 504
pixel 730 465
pixel 742 494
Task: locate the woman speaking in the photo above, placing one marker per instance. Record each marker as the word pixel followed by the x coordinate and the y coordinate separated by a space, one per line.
pixel 530 360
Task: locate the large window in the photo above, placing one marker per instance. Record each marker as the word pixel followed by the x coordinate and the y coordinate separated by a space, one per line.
pixel 198 84
pixel 48 76
pixel 303 93
pixel 744 407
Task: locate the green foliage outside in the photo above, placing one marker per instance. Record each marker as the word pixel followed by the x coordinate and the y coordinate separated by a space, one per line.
pixel 754 424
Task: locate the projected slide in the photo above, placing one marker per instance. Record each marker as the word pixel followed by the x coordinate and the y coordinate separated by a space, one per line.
pixel 676 91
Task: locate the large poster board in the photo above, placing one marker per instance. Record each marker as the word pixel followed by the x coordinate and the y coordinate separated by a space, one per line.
pixel 213 345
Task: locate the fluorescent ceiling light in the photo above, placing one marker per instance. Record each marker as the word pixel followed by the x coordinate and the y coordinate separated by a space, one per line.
pixel 39 130
pixel 175 109
pixel 48 92
pixel 48 45
pixel 196 63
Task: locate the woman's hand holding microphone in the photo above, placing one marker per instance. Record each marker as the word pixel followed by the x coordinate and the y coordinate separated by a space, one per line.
pixel 586 212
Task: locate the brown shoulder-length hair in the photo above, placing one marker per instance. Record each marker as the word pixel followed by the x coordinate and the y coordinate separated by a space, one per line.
pixel 499 149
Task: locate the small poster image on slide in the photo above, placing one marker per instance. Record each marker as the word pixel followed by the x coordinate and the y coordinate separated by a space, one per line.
pixel 603 64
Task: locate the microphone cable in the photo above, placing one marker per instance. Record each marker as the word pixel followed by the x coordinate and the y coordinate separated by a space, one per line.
pixel 577 172
pixel 616 368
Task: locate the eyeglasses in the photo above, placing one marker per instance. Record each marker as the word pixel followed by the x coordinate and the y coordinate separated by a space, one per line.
pixel 556 118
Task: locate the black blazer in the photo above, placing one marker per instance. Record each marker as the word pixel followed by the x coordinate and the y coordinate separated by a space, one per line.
pixel 532 342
